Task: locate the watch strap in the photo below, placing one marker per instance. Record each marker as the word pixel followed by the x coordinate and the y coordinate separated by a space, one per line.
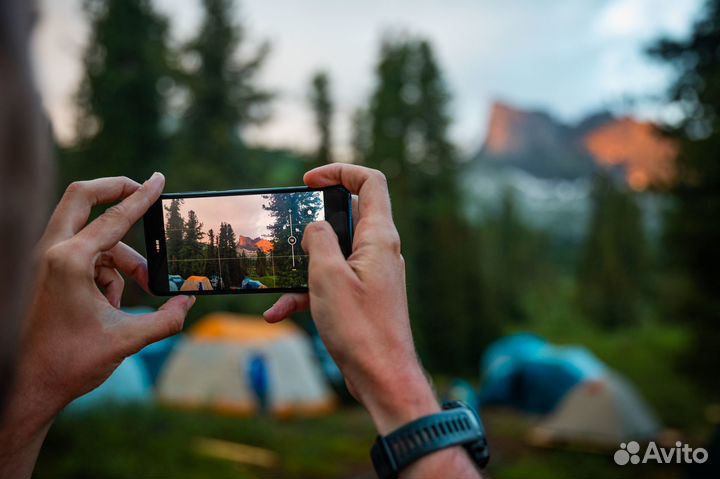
pixel 453 427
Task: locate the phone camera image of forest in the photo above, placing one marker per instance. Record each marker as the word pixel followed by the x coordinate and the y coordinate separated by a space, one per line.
pixel 239 242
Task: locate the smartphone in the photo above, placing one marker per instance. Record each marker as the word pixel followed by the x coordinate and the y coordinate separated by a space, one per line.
pixel 239 241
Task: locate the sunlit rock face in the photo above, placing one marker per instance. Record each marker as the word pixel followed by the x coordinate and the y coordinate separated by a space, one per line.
pixel 548 167
pixel 646 155
pixel 251 245
pixel 537 143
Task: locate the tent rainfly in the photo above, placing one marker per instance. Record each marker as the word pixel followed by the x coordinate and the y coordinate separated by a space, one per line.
pixel 240 364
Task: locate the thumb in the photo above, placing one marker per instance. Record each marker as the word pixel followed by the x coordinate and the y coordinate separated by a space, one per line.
pixel 167 321
pixel 319 239
pixel 327 262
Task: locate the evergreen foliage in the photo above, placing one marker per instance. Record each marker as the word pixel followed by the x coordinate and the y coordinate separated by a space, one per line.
pixel 323 109
pixel 692 231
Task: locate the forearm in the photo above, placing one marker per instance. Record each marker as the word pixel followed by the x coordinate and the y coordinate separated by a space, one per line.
pixel 19 451
pixel 409 399
pixel 24 426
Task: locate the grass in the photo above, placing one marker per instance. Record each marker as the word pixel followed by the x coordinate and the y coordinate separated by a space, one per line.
pixel 268 281
pixel 148 442
pixel 142 441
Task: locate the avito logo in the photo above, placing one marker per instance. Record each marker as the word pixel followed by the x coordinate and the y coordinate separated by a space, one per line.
pixel 680 454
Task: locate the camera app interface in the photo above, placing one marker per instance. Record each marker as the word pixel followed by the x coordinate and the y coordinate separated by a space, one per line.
pixel 239 242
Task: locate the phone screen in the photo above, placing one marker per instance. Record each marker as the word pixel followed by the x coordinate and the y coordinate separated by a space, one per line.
pixel 237 243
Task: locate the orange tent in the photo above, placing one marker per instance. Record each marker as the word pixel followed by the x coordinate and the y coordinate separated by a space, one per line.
pixel 209 368
pixel 197 283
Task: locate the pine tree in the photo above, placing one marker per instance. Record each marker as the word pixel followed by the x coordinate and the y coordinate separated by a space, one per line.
pixel 120 108
pixel 513 259
pixel 408 140
pixel 610 274
pixel 244 265
pixel 389 112
pixel 323 109
pixel 361 137
pixel 227 246
pixel 174 233
pixel 223 99
pixel 297 209
pixel 193 248
pixel 261 268
pixel 211 253
pixel 692 231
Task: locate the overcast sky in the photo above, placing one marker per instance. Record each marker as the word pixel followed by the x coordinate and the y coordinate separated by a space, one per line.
pixel 570 57
pixel 244 213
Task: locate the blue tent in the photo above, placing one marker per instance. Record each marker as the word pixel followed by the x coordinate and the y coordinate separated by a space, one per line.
pixel 133 380
pixel 127 384
pixel 154 356
pixel 526 372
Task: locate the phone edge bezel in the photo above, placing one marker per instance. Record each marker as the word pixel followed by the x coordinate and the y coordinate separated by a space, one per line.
pixel 150 227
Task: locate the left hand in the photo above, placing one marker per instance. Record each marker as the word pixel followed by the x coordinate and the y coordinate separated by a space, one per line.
pixel 76 335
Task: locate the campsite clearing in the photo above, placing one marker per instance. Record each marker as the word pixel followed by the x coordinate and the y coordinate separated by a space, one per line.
pixel 143 441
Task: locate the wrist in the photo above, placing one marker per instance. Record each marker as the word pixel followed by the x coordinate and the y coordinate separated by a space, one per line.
pixel 393 401
pixel 33 405
pixel 27 419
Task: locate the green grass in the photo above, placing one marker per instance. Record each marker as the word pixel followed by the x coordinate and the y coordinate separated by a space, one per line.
pixel 138 442
pixel 268 281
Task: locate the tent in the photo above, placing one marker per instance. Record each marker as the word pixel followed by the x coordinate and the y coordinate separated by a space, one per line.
pixel 578 398
pixel 241 365
pixel 132 381
pixel 197 283
pixel 525 372
pixel 154 356
pixel 175 281
pixel 604 412
pixel 127 384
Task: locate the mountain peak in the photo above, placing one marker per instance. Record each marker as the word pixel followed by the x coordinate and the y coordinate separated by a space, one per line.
pixel 536 142
pixel 639 147
pixel 253 244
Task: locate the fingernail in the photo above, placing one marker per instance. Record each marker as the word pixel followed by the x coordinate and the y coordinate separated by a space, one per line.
pixel 191 300
pixel 154 176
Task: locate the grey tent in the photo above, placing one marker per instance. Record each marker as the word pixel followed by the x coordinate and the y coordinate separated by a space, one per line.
pixel 602 412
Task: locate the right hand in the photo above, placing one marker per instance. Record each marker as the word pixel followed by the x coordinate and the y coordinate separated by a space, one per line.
pixel 360 304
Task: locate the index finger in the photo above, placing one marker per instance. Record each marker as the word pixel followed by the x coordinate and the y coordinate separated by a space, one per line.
pixel 110 227
pixel 129 262
pixel 370 186
pixel 73 210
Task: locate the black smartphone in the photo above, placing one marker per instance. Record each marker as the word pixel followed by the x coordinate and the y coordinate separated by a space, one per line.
pixel 239 241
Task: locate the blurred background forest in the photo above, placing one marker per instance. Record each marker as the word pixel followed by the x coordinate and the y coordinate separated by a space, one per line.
pixel 600 232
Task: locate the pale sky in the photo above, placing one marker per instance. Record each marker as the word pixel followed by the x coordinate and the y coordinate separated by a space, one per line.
pixel 569 57
pixel 245 214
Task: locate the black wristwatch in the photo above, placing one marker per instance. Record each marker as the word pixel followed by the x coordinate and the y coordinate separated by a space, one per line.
pixel 456 425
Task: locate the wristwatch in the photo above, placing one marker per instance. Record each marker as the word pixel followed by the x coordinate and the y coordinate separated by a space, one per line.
pixel 456 425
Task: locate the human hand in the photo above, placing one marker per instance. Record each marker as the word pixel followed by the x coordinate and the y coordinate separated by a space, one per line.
pixel 76 335
pixel 360 304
